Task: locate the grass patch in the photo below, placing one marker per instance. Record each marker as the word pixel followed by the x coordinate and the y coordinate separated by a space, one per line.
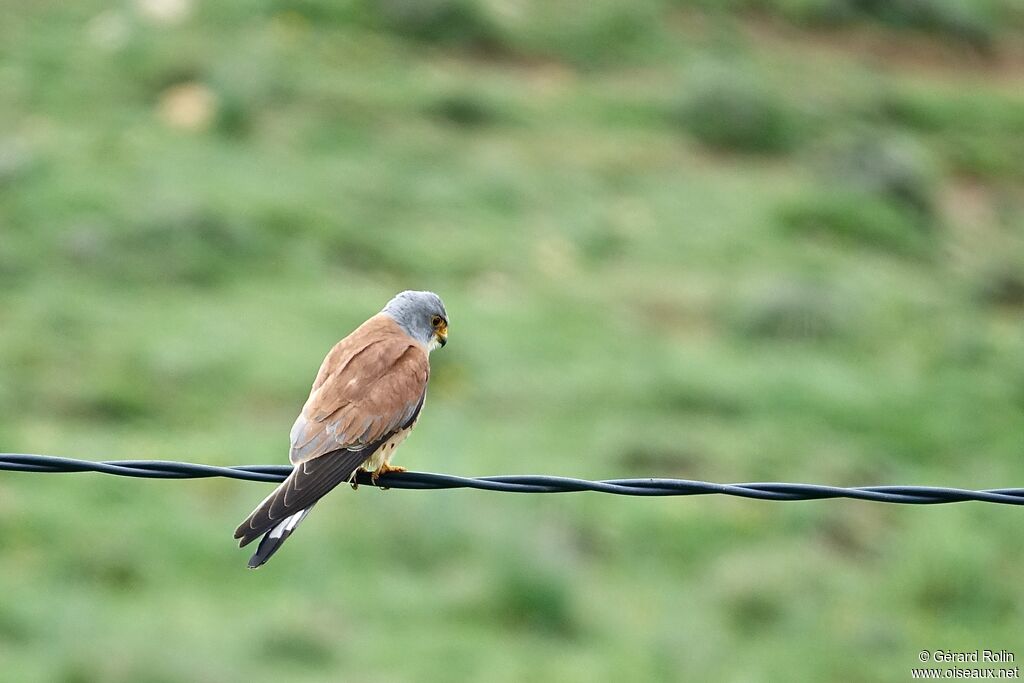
pixel 733 113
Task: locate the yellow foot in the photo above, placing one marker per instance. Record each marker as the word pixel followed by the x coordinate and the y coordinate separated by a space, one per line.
pixel 384 469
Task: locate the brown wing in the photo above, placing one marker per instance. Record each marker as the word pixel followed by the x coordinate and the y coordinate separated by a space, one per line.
pixel 370 385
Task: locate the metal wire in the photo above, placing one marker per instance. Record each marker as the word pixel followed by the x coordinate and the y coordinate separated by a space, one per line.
pixel 528 483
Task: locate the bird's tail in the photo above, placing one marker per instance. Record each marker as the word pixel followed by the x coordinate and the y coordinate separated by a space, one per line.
pixel 260 523
pixel 277 516
pixel 275 538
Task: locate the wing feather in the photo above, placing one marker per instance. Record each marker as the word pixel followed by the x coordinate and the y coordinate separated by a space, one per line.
pixel 367 387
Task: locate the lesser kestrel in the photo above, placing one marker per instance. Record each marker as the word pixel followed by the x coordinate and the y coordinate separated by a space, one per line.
pixel 366 399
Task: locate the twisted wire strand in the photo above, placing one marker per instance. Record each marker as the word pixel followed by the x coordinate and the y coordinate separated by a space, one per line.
pixel 528 483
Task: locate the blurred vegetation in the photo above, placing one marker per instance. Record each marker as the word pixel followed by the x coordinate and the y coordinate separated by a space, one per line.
pixel 736 241
pixel 729 112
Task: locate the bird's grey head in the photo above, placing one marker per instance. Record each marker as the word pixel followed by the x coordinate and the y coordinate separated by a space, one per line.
pixel 422 315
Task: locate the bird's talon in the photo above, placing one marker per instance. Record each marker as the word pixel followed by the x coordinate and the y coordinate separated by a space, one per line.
pixel 382 470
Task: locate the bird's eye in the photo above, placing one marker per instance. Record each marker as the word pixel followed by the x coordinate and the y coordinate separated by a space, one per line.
pixel 436 321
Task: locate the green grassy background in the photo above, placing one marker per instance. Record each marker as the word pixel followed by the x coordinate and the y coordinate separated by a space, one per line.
pixel 734 241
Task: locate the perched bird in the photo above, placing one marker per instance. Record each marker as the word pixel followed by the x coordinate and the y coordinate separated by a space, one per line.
pixel 366 399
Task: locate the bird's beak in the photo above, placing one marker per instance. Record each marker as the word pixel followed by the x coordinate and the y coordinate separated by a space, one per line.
pixel 442 334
